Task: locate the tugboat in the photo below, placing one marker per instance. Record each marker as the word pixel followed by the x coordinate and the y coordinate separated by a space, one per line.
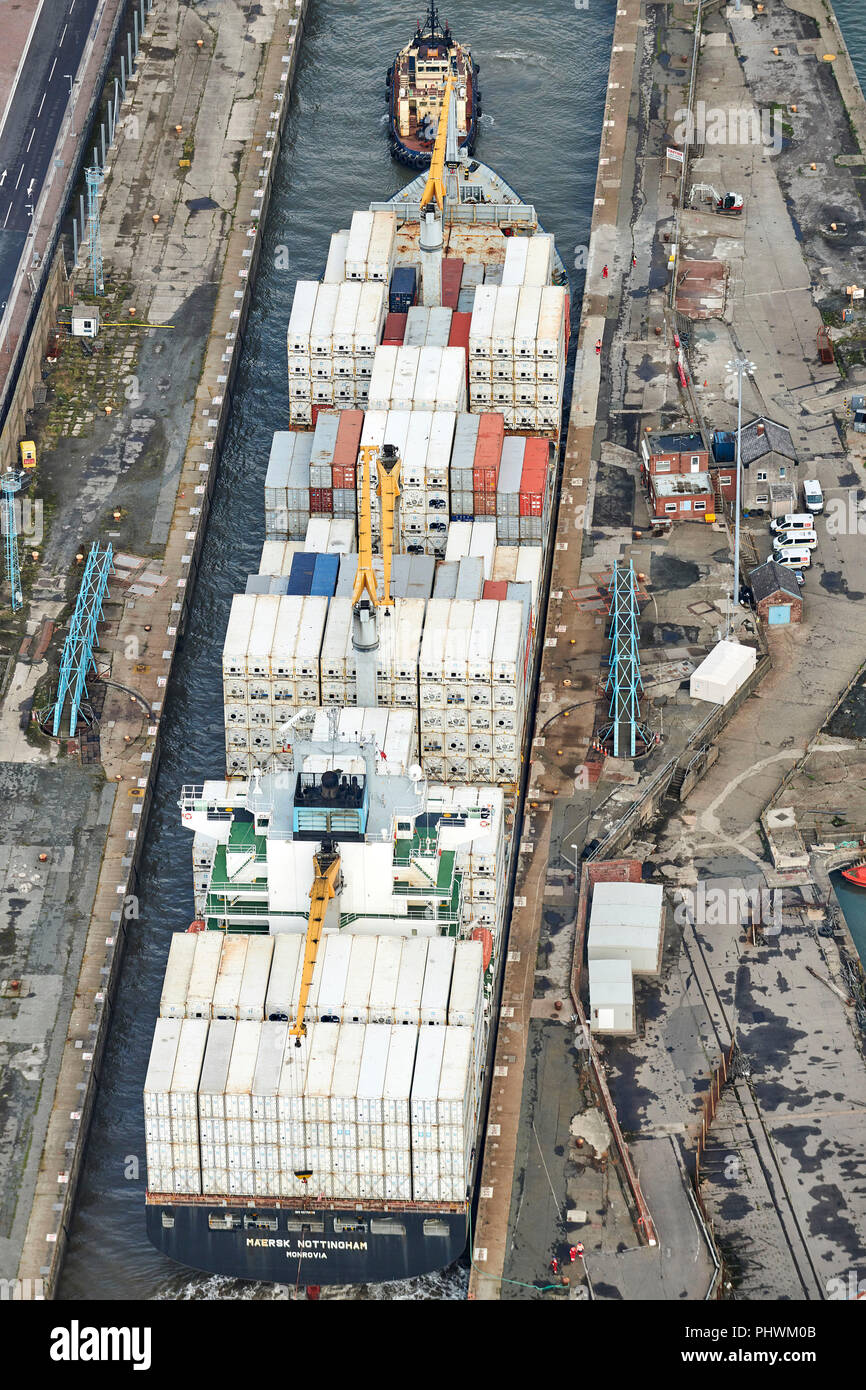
pixel 415 85
pixel 856 874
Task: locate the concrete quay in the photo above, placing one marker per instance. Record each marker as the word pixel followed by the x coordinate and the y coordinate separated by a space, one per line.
pixel 153 460
pixel 716 984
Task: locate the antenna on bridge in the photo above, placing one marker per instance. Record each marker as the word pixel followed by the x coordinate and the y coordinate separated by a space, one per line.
pixel 94 178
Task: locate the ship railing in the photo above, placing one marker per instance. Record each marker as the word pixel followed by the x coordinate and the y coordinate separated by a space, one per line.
pixel 470 213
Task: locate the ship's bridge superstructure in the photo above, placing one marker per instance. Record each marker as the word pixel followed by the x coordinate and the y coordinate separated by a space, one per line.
pixel 416 859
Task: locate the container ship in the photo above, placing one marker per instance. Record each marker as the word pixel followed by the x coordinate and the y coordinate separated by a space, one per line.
pixel 414 86
pixel 315 1096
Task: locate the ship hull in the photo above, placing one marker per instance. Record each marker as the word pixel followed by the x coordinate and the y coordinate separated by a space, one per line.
pixel 288 1246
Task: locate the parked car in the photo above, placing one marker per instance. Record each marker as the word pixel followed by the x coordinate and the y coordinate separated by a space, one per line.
pixel 793 521
pixel 783 539
pixel 813 496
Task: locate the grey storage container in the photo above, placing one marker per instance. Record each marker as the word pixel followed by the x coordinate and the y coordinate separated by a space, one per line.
pixel 470 577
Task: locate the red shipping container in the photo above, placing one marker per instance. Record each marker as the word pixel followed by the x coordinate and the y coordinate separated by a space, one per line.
pixel 459 335
pixel 315 415
pixel 537 453
pixel 488 452
pixel 395 330
pixel 343 476
pixel 348 440
pixel 495 588
pixel 321 501
pixel 484 503
pixel 452 274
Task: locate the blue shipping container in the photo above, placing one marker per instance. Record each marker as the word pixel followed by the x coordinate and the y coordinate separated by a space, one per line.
pixel 325 572
pixel 301 575
pixel 402 290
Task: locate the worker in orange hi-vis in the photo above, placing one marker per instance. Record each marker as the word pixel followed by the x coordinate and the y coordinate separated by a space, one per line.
pixel 604 272
pixel 598 347
pixel 554 1265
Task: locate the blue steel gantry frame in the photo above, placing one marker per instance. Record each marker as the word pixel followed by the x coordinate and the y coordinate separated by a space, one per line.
pixel 11 484
pixel 94 178
pixel 77 657
pixel 624 680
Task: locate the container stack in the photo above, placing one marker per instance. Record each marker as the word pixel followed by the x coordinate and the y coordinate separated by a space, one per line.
pixel 287 486
pixel 471 690
pixel 270 666
pixel 371 246
pixel 443 1114
pixel 332 463
pixel 485 468
pixel 418 378
pixel 396 656
pixel 333 332
pixel 518 340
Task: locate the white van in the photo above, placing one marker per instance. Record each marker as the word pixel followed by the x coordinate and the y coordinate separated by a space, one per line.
pixel 793 557
pixel 813 497
pixel 783 540
pixel 793 521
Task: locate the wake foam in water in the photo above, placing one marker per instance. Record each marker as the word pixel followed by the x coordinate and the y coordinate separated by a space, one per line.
pixel 446 1284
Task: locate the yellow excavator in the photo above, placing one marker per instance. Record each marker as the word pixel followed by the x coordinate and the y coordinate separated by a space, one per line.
pixel 326 865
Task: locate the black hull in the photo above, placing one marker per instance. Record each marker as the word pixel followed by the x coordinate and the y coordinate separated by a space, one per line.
pixel 285 1246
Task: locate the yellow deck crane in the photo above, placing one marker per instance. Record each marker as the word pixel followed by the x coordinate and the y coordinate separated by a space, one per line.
pixel 326 865
pixel 432 207
pixel 366 599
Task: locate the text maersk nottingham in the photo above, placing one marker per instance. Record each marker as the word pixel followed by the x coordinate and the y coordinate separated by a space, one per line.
pixel 319 1071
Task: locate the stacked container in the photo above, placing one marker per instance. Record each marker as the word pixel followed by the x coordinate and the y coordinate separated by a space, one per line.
pixel 402 379
pixel 518 339
pixel 287 486
pixel 485 467
pixel 278 670
pixel 331 344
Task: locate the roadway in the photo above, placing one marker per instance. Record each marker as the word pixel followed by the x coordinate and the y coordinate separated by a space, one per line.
pixel 32 121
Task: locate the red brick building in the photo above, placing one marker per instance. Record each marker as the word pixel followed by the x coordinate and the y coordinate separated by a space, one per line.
pixel 674 453
pixel 682 496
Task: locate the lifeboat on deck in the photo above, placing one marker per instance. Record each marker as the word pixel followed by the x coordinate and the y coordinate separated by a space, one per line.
pixel 856 874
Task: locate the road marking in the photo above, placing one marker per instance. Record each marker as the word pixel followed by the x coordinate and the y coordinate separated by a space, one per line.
pixel 30 187
pixel 6 218
pixel 41 104
pixel 51 73
pixel 20 172
pixel 30 141
pixel 21 62
pixel 63 36
pixel 2 178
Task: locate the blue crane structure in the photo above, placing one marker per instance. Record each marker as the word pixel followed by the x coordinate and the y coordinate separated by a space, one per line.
pixel 624 684
pixel 94 178
pixel 11 484
pixel 77 656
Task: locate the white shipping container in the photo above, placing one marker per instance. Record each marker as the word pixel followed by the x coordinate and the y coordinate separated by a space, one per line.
pixel 336 949
pixel 286 636
pixel 214 1075
pixel 368 325
pixel 371 1077
pixel 539 260
pixel 358 245
pixel 405 374
pixel 268 1070
pixel 456 1081
pixel 280 1000
pixel 172 1002
pixel 322 328
pixel 410 982
pixel 290 1101
pixel 301 317
pixel 427 378
pixel 551 322
pixel 481 323
pixel 316 538
pixel 482 543
pixel 397 1087
pixel 380 252
pixel 526 323
pixel 504 317
pixel 514 269
pixel 183 1098
pixel 242 1067
pixel 459 541
pixel 344 1083
pixel 451 388
pixel 386 971
pixel 382 380
pixel 317 1087
pixel 425 1082
pixel 465 1001
pixel 237 636
pixel 437 980
pixel 345 316
pixel 203 976
pixel 335 269
pixel 160 1067
pixel 362 962
pixel 230 976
